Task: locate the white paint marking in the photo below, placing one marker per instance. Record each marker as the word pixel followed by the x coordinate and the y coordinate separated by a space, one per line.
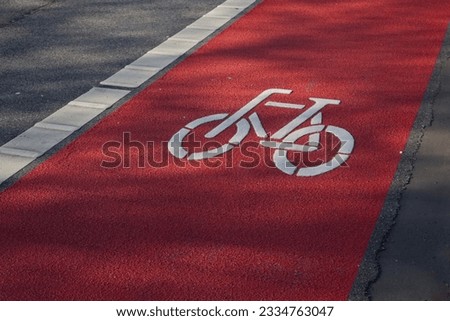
pixel 128 78
pixel 300 119
pixel 347 141
pixel 174 144
pixel 243 127
pixel 282 163
pixel 11 164
pixel 245 109
pixel 176 47
pixel 18 152
pixel 288 146
pixel 237 3
pixel 147 66
pixel 211 153
pixel 192 34
pixel 296 134
pixel 193 124
pixel 65 128
pixel 155 60
pixel 314 139
pixel 224 12
pixel 283 105
pixel 257 125
pixel 317 119
pixel 100 96
pixel 38 140
pixel 72 116
pixel 89 105
pixel 209 23
pixel 143 68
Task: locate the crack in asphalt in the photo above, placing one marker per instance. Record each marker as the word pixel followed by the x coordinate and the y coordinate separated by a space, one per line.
pixel 26 13
pixel 370 269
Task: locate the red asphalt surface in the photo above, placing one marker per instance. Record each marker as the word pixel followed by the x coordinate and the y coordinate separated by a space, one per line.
pixel 71 229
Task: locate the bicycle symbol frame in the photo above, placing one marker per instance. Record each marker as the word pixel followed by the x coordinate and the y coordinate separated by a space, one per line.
pixel 281 141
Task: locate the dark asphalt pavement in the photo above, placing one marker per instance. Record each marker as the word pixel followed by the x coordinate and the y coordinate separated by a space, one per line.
pixel 13 10
pixel 408 257
pixel 416 262
pixel 54 51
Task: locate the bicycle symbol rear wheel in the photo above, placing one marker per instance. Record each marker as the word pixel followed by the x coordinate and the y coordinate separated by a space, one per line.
pixel 175 143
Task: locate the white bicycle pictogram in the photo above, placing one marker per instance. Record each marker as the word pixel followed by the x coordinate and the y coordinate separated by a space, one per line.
pixel 281 141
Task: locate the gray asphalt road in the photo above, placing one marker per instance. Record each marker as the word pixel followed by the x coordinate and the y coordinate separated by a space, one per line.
pixel 12 10
pixel 416 262
pixel 56 50
pixel 408 257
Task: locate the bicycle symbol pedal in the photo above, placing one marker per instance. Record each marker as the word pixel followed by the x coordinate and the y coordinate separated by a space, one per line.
pixel 282 141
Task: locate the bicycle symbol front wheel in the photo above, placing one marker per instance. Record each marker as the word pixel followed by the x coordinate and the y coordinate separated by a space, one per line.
pixel 280 155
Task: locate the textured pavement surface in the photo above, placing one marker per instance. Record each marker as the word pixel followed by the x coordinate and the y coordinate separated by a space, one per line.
pixel 58 52
pixel 416 260
pixel 70 223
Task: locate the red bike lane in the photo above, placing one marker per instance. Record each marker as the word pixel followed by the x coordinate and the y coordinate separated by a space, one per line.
pixel 73 229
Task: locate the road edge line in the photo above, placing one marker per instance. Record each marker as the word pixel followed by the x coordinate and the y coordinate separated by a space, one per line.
pixel 112 93
pixel 370 270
